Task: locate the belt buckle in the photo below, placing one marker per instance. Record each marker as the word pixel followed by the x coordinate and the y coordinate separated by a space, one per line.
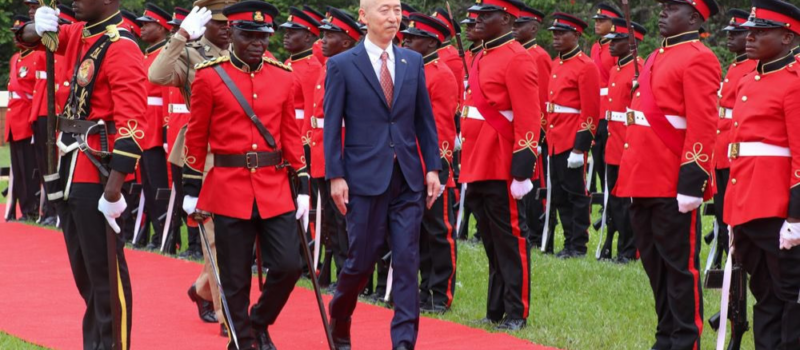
pixel 734 150
pixel 551 108
pixel 251 161
pixel 608 115
pixel 314 122
pixel 721 112
pixel 631 118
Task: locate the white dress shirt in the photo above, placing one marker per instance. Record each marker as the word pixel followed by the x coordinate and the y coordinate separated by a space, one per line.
pixel 374 52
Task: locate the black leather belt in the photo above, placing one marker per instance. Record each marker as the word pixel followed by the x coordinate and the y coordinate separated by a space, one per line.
pixel 84 127
pixel 249 160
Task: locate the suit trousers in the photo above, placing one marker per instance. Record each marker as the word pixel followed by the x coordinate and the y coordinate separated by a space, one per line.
pixel 154 176
pixel 397 213
pixel 618 219
pixel 25 184
pixel 84 230
pixel 334 228
pixel 774 282
pixel 669 245
pixel 40 145
pixel 438 252
pixel 235 239
pixel 503 227
pixel 571 200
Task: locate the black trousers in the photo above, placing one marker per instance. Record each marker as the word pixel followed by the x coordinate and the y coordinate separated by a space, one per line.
pixel 235 239
pixel 25 183
pixel 334 228
pixel 534 210
pixel 179 216
pixel 571 201
pixel 85 235
pixel 599 156
pixel 669 245
pixel 438 252
pixel 40 145
pixel 618 219
pixel 774 282
pixel 154 176
pixel 502 223
pixel 719 207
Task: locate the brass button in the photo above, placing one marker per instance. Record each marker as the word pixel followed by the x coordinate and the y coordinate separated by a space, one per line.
pixel 319 87
pixel 626 145
pixel 554 76
pixel 726 80
pixel 638 94
pixel 252 75
pixel 315 105
pixel 609 133
pixel 733 181
pixel 718 132
pixel 560 62
pixel 551 126
pixel 736 124
pixel 254 146
pixel 744 98
pixel 313 143
pixel 66 83
pixel 613 84
pixel 661 50
pixel 551 92
pixel 253 170
pixel 758 77
pixel 609 100
pixel 255 96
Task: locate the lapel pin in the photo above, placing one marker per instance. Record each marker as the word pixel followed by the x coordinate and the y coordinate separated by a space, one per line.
pixel 403 60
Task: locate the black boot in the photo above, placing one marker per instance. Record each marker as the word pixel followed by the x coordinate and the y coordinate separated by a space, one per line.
pixel 341 333
pixel 263 341
pixel 205 308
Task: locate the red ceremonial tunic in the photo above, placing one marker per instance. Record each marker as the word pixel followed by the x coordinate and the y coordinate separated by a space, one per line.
pixel 619 99
pixel 313 124
pixel 574 83
pixel 219 123
pixel 63 74
pixel 449 56
pixel 157 103
pixel 685 80
pixel 20 95
pixel 119 92
pixel 727 98
pixel 444 102
pixel 767 110
pixel 508 82
pixel 305 68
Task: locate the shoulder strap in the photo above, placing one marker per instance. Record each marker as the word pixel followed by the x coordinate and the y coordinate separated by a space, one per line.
pixel 245 106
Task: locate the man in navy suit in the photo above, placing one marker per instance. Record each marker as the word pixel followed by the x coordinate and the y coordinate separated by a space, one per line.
pixel 375 169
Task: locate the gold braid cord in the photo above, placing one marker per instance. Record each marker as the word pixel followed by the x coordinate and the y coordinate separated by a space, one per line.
pixel 50 39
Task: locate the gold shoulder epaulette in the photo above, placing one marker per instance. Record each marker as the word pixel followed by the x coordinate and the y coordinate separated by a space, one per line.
pixel 212 62
pixel 113 32
pixel 277 64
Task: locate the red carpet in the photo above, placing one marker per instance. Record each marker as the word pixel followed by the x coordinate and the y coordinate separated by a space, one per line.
pixel 39 303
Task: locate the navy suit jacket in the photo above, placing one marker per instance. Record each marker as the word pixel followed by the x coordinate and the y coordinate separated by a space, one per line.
pixel 375 133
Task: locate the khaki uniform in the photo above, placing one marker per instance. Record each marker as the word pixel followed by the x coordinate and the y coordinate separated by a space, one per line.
pixel 174 66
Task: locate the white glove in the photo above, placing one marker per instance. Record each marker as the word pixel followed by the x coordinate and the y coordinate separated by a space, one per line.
pixel 520 188
pixel 112 210
pixel 575 160
pixel 46 20
pixel 189 204
pixel 790 235
pixel 166 148
pixel 688 203
pixel 195 22
pixel 441 190
pixel 457 143
pixel 303 204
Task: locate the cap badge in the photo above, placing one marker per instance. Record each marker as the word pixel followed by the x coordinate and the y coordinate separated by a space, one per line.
pixel 752 14
pixel 412 24
pixel 258 17
pixel 290 18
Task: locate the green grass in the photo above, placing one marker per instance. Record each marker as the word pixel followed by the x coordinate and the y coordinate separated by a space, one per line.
pixel 575 304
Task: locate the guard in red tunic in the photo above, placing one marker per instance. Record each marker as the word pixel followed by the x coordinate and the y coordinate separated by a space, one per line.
pixel 100 133
pixel 620 85
pixel 501 131
pixel 525 30
pixel 438 256
pixel 341 33
pixel 38 116
pixel 155 30
pixel 740 67
pixel 573 111
pixel 605 63
pixel 18 133
pixel 302 31
pixel 763 198
pixel 449 54
pixel 248 190
pixel 666 166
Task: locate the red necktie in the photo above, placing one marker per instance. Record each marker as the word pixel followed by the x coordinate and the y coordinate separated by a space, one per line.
pixel 386 79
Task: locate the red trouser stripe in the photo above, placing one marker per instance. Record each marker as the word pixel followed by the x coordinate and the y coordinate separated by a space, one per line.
pixel 698 319
pixel 445 204
pixel 523 252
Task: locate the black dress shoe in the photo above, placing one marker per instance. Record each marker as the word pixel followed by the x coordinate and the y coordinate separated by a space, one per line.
pixel 512 324
pixel 223 331
pixel 263 341
pixel 205 308
pixel 49 221
pixel 340 330
pixel 564 253
pixel 486 321
pixel 433 308
pixel 402 346
pixel 152 246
